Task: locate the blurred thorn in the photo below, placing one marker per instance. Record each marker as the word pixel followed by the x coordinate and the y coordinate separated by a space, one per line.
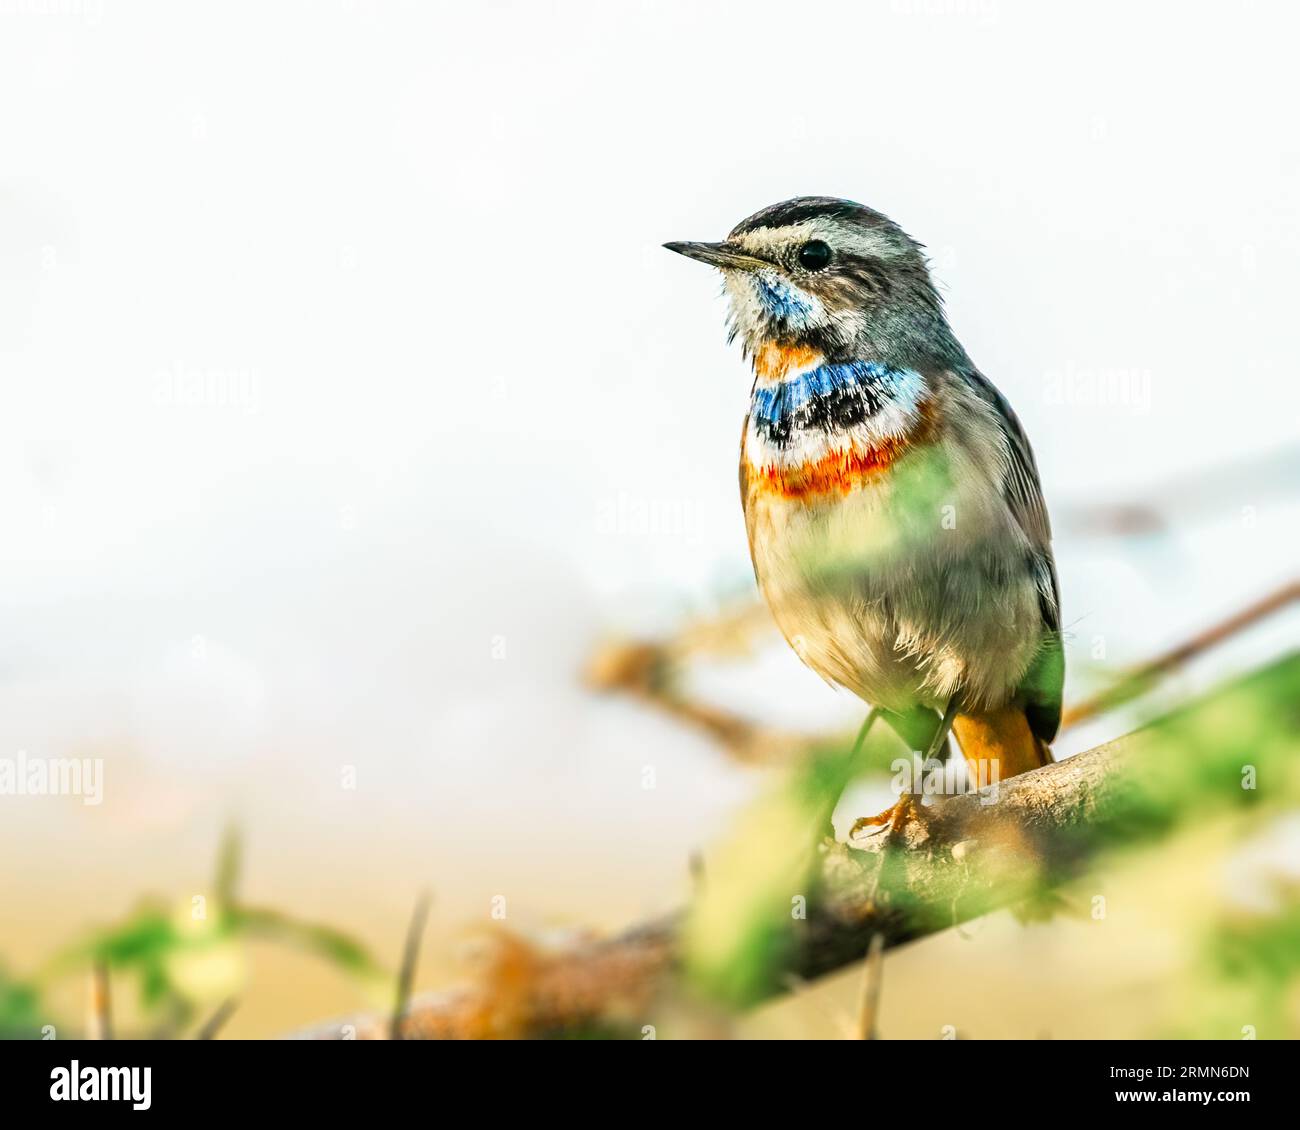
pixel 860 741
pixel 218 1019
pixel 99 1024
pixel 637 666
pixel 873 975
pixel 1139 679
pixel 1118 520
pixel 229 864
pixel 170 1026
pixel 410 958
pixel 697 870
pixel 958 925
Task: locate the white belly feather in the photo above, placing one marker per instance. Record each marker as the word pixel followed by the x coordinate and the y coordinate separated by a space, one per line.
pixel 911 584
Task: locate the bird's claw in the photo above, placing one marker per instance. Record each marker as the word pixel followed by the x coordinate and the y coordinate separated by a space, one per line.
pixel 906 810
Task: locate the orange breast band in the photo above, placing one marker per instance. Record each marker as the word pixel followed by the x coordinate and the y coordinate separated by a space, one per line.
pixel 837 471
pixel 774 361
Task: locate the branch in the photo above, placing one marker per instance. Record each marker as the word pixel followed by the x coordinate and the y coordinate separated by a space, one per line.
pixel 1140 679
pixel 965 859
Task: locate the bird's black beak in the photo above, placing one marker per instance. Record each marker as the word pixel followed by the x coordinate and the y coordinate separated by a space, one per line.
pixel 724 255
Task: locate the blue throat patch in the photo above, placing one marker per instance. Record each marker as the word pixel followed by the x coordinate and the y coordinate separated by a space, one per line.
pixel 783 302
pixel 856 389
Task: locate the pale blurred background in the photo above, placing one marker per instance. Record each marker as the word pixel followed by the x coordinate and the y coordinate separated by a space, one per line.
pixel 350 400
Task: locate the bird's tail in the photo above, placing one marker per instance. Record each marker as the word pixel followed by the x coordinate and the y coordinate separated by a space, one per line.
pixel 1000 744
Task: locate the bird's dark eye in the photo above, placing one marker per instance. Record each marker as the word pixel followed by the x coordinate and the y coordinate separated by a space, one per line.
pixel 814 255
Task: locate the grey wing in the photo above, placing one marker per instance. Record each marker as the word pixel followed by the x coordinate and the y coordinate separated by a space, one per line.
pixel 1042 686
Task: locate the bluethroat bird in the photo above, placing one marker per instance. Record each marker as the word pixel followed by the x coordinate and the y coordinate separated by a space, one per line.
pixel 895 517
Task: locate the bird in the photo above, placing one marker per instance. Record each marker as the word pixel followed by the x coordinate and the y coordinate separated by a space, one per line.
pixel 892 502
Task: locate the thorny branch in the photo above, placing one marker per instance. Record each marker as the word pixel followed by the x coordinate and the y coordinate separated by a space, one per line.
pixel 965 859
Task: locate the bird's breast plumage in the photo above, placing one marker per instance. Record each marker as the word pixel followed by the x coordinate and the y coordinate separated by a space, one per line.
pixel 819 428
pixel 879 534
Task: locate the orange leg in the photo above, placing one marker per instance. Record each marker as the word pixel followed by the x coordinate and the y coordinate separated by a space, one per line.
pixel 999 744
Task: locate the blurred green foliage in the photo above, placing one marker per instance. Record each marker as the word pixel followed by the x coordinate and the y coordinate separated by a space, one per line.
pixel 21 1012
pixel 761 880
pixel 184 959
pixel 1235 749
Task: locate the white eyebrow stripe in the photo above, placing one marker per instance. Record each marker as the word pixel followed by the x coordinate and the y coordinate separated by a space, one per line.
pixel 855 239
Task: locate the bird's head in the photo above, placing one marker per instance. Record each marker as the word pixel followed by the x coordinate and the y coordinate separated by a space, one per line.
pixel 832 277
